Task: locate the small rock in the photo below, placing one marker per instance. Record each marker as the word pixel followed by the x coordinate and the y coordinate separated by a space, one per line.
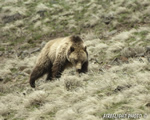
pixel 43 44
pixel 35 50
pixel 25 52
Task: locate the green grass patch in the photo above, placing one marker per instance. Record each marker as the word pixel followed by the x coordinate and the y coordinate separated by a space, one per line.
pixel 142 33
pixel 13 70
pixel 130 40
pixel 2 49
pixel 123 17
pixel 37 36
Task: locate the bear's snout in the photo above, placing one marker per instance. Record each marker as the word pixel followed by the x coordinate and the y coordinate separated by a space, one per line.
pixel 78 67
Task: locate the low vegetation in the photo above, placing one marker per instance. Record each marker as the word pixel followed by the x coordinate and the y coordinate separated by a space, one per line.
pixel 117 35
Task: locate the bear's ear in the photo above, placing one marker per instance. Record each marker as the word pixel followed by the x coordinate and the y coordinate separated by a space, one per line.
pixel 75 39
pixel 71 49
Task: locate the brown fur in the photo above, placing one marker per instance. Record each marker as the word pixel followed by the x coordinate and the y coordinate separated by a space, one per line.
pixel 57 55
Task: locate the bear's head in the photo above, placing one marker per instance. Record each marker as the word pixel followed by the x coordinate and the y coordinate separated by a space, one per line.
pixel 77 56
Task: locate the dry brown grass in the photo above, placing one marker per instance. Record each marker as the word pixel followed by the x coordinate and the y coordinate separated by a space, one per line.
pixel 118 77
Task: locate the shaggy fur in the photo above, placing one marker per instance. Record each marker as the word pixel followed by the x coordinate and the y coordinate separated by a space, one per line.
pixel 59 54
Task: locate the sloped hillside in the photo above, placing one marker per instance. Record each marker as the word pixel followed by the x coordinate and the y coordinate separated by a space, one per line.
pixel 117 36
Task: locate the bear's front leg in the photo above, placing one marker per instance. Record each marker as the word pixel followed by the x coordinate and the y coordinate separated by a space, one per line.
pixel 84 68
pixel 57 69
pixel 49 75
pixel 37 72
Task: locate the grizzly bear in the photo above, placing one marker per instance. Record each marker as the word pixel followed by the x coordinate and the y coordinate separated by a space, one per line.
pixel 59 54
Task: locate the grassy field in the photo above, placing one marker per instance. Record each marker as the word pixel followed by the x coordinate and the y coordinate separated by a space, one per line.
pixel 117 36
